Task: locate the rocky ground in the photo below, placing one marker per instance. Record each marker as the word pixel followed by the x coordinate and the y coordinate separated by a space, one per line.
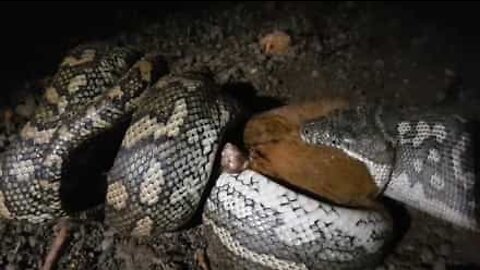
pixel 362 51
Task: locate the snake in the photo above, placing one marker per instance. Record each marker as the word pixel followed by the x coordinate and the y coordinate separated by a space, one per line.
pixel 167 168
pixel 423 157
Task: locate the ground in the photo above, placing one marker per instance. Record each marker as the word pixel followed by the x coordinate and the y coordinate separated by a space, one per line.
pixel 358 50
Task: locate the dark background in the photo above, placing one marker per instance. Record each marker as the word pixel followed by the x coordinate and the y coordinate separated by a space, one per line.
pixel 35 34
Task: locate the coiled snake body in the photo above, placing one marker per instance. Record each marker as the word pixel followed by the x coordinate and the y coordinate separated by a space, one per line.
pixel 168 155
pixel 26 192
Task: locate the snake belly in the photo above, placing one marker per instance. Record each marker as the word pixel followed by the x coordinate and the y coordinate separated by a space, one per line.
pixel 85 73
pixel 423 157
pixel 167 155
pixel 254 223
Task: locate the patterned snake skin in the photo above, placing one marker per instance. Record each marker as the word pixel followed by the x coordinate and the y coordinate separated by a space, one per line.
pixel 423 158
pixel 167 156
pixel 26 192
pixel 255 223
pixel 169 153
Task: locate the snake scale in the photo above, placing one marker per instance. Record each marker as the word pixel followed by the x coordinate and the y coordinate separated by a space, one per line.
pixel 168 155
pixel 424 158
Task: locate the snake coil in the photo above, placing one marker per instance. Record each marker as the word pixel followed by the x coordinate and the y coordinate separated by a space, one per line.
pixel 168 154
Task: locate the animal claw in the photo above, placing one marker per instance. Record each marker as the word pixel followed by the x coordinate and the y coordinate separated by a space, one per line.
pixel 233 160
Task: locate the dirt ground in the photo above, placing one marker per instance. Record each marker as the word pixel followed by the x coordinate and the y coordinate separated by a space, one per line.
pixel 403 53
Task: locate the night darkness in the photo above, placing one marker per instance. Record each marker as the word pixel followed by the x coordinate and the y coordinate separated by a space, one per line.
pixel 35 32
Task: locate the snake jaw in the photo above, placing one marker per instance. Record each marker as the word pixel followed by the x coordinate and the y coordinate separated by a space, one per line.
pixel 352 131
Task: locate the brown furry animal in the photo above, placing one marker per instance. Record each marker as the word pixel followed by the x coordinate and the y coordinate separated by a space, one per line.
pixel 276 150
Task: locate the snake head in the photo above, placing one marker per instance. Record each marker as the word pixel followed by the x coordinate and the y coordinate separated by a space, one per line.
pixel 354 131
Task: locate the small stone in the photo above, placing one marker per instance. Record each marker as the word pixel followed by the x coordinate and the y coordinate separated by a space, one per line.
pixel 315 73
pixel 276 43
pixel 77 235
pixel 426 254
pixel 32 241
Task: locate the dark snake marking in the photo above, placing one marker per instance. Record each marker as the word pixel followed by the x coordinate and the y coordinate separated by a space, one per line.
pixel 167 155
pixel 422 157
pixel 177 127
pixel 86 72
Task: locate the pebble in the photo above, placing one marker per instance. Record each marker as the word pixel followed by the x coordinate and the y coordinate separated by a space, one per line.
pixel 32 241
pixel 427 254
pixel 276 43
pixel 107 243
